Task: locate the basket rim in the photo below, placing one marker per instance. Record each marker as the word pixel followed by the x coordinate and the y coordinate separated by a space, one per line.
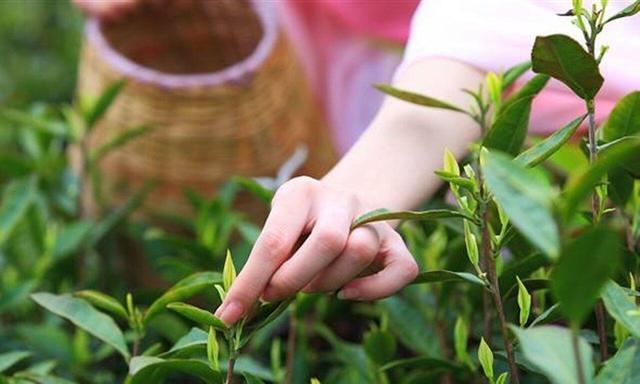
pixel 234 73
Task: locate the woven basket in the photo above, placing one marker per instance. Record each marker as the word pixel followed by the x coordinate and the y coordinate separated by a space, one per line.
pixel 220 83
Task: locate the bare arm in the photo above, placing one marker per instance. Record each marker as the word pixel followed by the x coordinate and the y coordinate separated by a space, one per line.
pixel 391 166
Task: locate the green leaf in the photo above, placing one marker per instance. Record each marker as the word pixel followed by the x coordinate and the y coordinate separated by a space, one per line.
pixel 110 221
pixel 502 379
pixel 265 314
pixel 228 272
pixel 620 307
pixel 512 74
pixel 102 104
pixel 529 89
pixel 508 132
pixel 623 368
pixel 384 214
pixel 380 346
pixel 417 98
pixel 461 339
pixel 148 369
pixel 547 147
pixel 426 363
pixel 255 188
pixel 16 200
pixel 524 303
pixel 581 185
pixel 624 119
pixel 195 337
pixel 531 285
pixel 485 356
pixel 70 238
pixel 9 359
pixel 494 87
pixel 121 139
pixel 630 10
pixel 213 350
pixel 471 244
pixel 84 316
pixel 525 198
pixel 442 276
pixel 549 349
pixel 584 267
pixel 182 290
pixel 54 128
pixel 564 59
pixel 198 315
pixel 104 302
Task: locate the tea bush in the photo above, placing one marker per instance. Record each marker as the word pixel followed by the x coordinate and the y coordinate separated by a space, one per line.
pixel 528 277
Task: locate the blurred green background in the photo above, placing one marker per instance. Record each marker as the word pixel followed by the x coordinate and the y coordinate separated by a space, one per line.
pixel 39 45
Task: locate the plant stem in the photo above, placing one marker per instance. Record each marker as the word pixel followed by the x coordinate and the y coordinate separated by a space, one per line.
pixel 487 255
pixel 576 354
pixel 291 348
pixel 230 365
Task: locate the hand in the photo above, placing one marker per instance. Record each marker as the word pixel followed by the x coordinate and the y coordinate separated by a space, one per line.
pixel 330 258
pixel 106 9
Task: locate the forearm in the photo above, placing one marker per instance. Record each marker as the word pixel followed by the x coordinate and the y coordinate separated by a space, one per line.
pixel 392 164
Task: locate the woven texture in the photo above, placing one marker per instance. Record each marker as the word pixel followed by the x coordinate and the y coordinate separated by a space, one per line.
pixel 220 84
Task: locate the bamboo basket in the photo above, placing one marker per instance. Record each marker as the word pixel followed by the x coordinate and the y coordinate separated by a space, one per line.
pixel 221 85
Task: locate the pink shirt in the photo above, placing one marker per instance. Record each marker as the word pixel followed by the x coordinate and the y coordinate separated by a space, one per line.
pixel 496 34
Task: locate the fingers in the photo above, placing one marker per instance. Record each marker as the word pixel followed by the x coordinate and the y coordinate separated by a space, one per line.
pixel 105 9
pixel 399 270
pixel 325 243
pixel 360 251
pixel 285 224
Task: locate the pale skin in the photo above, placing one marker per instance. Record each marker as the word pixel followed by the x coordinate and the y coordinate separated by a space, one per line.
pixel 306 243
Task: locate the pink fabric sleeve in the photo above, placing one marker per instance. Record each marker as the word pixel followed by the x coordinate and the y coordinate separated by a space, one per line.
pixel 493 35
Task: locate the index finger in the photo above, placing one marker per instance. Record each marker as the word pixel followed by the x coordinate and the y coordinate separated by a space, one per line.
pixel 283 228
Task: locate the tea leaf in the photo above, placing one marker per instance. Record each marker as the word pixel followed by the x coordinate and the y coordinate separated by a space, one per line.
pixel 531 285
pixel 624 119
pixel 70 238
pixel 485 356
pixel 104 101
pixel 147 369
pixel 494 86
pixel 228 272
pixel 623 367
pixel 630 10
pixel 212 349
pixel 582 184
pixel 510 128
pixel 460 340
pixel 544 315
pixel 417 98
pixel 195 337
pixel 380 346
pixel 502 379
pixel 564 59
pixel 449 163
pixel 525 198
pixel 471 244
pixel 111 220
pixel 9 359
pixel 547 147
pixel 255 188
pixel 524 302
pixel 547 349
pixel 264 314
pixel 512 74
pixel 118 141
pixel 632 163
pixel 54 128
pixel 442 276
pixel 16 200
pixel 619 307
pixel 595 254
pixel 198 315
pixel 529 89
pixel 103 301
pixel 84 316
pixel 426 363
pixel 384 214
pixel 183 290
pixel 456 180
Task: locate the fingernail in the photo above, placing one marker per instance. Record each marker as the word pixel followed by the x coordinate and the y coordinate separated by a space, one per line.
pixel 348 294
pixel 230 312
